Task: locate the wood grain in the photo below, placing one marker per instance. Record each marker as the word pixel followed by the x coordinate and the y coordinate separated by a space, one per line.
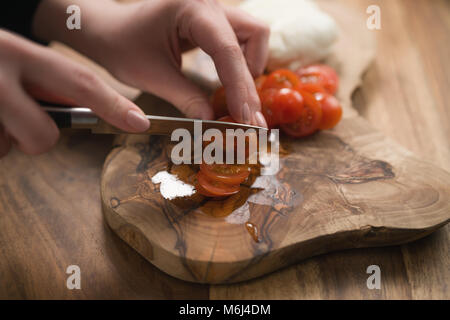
pixel 417 270
pixel 347 188
pixel 51 218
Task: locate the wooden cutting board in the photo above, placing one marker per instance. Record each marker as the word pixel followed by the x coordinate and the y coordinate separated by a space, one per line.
pixel 345 188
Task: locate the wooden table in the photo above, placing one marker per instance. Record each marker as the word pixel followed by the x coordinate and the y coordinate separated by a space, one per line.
pixel 50 215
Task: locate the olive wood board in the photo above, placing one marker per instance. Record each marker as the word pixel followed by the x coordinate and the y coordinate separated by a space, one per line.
pixel 349 187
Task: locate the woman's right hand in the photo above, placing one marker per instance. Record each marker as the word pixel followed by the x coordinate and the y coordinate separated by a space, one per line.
pixel 27 67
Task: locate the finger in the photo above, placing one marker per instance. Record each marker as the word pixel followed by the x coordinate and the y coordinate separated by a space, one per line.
pixel 5 142
pixel 181 92
pixel 32 129
pixel 221 44
pixel 77 83
pixel 254 34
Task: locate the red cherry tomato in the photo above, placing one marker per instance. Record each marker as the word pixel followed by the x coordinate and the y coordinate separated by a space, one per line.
pixel 214 188
pixel 281 79
pixel 229 174
pixel 320 74
pixel 267 98
pixel 287 105
pixel 309 120
pixel 313 88
pixel 219 102
pixel 280 106
pixel 331 112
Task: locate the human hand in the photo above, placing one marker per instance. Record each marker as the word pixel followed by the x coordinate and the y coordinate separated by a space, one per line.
pixel 141 44
pixel 28 70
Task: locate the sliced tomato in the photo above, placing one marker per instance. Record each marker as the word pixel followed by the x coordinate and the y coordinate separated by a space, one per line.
pixel 331 112
pixel 279 79
pixel 320 74
pixel 215 188
pixel 229 174
pixel 310 119
pixel 203 191
pixel 219 102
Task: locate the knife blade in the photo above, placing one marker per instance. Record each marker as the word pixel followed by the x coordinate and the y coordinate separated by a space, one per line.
pixel 84 118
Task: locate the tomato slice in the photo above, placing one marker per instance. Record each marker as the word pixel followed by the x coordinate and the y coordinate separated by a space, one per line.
pixel 320 74
pixel 331 112
pixel 310 119
pixel 229 174
pixel 214 188
pixel 219 102
pixel 203 191
pixel 279 79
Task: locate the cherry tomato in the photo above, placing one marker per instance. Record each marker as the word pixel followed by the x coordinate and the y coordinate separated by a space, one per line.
pixel 288 105
pixel 313 88
pixel 267 98
pixel 229 174
pixel 215 188
pixel 331 112
pixel 309 120
pixel 281 106
pixel 279 79
pixel 320 74
pixel 219 102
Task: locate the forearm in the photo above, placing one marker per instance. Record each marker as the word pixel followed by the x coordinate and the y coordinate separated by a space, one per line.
pixel 50 23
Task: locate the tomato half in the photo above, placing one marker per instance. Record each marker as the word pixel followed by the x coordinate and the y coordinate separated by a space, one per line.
pixel 331 112
pixel 310 119
pixel 279 79
pixel 229 174
pixel 219 102
pixel 320 74
pixel 214 188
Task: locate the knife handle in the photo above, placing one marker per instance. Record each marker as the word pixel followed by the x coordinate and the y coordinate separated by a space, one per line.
pixel 68 117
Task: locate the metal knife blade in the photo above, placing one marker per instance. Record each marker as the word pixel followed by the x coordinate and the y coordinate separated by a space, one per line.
pixel 84 118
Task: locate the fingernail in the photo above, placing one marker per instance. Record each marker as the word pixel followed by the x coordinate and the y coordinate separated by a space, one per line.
pixel 246 116
pixel 259 117
pixel 137 121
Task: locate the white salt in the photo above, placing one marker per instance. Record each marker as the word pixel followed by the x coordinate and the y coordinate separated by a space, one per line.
pixel 171 187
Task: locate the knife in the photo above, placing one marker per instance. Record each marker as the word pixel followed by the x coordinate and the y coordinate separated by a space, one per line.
pixel 84 118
